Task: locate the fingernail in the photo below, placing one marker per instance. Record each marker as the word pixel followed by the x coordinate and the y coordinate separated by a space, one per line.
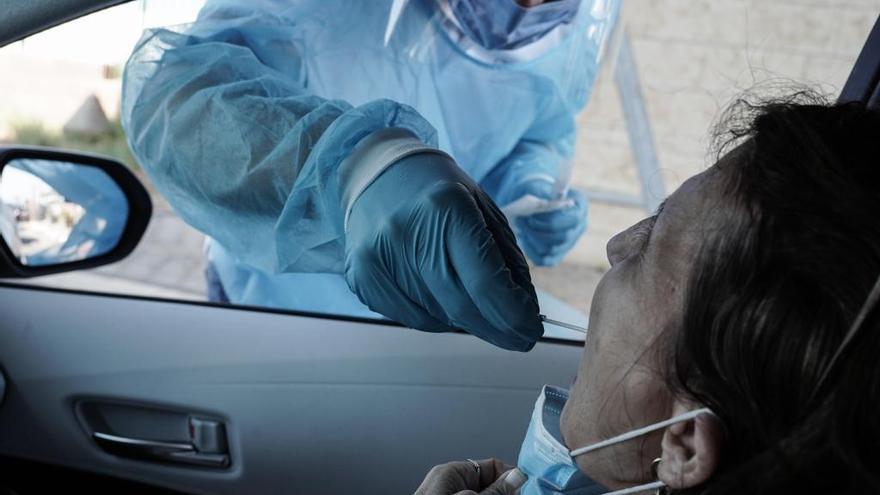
pixel 515 478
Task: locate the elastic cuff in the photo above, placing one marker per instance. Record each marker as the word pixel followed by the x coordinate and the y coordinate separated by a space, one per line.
pixel 512 189
pixel 371 157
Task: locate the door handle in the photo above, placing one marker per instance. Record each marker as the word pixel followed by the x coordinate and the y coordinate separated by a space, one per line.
pixel 155 450
pixel 151 433
pixel 206 444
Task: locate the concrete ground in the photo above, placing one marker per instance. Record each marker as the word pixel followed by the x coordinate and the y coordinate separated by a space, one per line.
pixel 692 57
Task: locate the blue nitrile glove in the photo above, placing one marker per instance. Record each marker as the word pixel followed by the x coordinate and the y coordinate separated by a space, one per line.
pixel 425 246
pixel 547 237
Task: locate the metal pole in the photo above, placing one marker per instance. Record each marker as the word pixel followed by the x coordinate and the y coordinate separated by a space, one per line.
pixel 638 127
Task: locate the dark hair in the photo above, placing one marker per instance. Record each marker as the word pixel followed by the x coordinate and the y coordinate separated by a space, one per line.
pixel 774 291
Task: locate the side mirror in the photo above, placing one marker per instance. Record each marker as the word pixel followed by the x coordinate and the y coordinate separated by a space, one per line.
pixel 63 211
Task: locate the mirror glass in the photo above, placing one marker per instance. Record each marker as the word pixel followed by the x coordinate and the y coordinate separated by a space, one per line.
pixel 55 212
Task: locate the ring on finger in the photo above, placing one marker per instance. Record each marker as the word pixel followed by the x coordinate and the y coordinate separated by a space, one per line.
pixel 476 466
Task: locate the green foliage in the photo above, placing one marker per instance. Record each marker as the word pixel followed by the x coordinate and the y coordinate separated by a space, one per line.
pixel 111 144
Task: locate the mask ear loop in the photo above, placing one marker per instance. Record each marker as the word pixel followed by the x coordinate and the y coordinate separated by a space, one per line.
pixel 658 485
pixel 642 431
pixel 863 314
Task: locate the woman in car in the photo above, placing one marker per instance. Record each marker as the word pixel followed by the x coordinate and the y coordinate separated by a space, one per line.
pixel 739 323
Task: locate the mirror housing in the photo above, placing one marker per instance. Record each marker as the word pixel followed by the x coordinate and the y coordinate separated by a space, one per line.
pixel 139 209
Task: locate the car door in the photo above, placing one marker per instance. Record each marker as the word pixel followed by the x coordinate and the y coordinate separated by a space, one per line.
pixel 203 398
pixel 309 404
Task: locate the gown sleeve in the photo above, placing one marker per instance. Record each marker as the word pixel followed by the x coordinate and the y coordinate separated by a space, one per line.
pixel 219 116
pixel 544 153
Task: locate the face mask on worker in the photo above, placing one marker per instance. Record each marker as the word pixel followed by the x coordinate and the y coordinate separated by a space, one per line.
pixel 550 466
pixel 505 25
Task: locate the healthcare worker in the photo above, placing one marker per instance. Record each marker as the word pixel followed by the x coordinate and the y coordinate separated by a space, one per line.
pixel 346 157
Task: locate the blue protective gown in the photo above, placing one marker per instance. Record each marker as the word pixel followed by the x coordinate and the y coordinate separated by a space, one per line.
pixel 242 118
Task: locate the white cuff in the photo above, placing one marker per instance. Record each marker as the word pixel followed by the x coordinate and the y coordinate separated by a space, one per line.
pixel 372 155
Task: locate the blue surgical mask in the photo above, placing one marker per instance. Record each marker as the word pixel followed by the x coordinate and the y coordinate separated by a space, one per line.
pixel 505 25
pixel 550 466
pixel 544 458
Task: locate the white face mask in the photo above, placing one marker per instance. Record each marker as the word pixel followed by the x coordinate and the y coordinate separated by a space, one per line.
pixel 550 466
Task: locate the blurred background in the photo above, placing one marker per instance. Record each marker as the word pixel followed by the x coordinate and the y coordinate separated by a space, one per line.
pixel 674 66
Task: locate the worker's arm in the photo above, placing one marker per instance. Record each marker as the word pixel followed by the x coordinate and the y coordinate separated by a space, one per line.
pixel 532 185
pixel 241 150
pixel 288 181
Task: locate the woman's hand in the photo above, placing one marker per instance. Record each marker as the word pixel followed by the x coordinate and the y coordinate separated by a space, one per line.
pixel 463 478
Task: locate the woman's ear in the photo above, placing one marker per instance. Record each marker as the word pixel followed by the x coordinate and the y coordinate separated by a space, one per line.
pixel 691 449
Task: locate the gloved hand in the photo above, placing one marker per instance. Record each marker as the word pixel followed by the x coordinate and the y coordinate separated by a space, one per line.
pixel 547 237
pixel 427 247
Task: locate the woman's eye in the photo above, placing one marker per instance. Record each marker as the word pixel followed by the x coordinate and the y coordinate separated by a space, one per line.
pixel 630 242
pixel 642 234
pixel 633 241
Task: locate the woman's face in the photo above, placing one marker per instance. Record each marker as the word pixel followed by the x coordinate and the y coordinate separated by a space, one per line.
pixel 621 384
